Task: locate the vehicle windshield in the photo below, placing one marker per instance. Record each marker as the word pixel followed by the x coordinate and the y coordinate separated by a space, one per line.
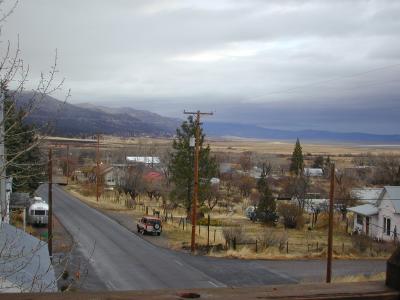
pixel 152 222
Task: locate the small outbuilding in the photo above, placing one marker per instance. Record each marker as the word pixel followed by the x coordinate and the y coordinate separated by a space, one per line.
pixel 313 172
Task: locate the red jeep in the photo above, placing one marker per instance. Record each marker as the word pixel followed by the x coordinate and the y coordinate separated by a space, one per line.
pixel 148 224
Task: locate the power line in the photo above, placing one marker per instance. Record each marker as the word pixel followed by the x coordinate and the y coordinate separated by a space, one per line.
pixel 326 81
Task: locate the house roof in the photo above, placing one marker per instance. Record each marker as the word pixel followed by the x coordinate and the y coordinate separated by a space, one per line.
pixel 21 250
pixel 365 209
pixel 368 195
pixel 153 176
pixel 393 195
pixel 144 159
pixel 313 172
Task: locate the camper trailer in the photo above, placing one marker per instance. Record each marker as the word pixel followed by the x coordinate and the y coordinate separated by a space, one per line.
pixel 38 212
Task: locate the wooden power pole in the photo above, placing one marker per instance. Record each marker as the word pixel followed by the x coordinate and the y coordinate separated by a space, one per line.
pixel 196 175
pixel 67 163
pixel 50 202
pixel 97 167
pixel 330 230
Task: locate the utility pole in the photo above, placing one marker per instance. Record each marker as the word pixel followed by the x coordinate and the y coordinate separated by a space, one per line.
pixel 50 202
pixel 330 230
pixel 196 174
pixel 97 167
pixel 3 200
pixel 67 163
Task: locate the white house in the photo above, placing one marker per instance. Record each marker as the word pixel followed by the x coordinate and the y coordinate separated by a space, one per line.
pixel 112 175
pixel 313 172
pixel 380 220
pixel 148 160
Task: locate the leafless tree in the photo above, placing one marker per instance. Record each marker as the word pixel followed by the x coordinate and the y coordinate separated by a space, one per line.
pixel 131 182
pixel 343 192
pixel 387 170
pixel 298 188
pixel 245 161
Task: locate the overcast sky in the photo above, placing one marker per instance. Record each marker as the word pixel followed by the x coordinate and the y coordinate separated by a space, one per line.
pixel 282 64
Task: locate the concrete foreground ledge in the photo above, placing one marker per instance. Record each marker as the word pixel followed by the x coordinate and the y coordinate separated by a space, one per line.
pixel 364 290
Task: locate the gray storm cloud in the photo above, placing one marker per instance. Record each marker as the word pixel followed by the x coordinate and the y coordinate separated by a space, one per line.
pixel 314 63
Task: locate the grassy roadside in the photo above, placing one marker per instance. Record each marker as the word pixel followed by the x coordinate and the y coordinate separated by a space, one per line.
pixel 273 242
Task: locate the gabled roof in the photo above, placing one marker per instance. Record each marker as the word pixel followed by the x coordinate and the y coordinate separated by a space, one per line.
pixel 367 195
pixel 393 193
pixel 365 209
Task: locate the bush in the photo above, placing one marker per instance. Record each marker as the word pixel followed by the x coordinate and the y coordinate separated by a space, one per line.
pixel 269 238
pixel 267 217
pixel 291 216
pixel 65 275
pixel 231 233
pixel 323 221
pixel 361 242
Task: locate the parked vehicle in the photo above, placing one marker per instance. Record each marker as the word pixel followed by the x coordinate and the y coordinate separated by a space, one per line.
pixel 149 224
pixel 38 212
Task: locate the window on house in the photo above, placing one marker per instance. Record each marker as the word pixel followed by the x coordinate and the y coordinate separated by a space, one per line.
pixel 386 226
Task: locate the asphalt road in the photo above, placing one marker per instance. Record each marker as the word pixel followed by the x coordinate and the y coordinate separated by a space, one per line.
pixel 122 260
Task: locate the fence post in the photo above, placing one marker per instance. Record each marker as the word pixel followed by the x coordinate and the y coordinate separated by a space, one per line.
pixel 234 243
pixel 199 229
pixel 208 230
pixel 256 246
pixel 287 247
pixel 147 210
pixel 342 248
pixel 308 247
pixel 215 231
pixel 317 247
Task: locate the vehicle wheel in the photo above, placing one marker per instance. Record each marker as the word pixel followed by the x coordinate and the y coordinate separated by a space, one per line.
pixel 138 229
pixel 143 232
pixel 158 233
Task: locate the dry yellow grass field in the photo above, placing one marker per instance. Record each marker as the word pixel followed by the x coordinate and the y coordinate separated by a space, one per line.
pixel 242 145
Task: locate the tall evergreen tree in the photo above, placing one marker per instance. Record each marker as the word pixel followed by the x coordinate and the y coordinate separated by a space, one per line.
pixel 23 156
pixel 266 209
pixel 297 164
pixel 182 166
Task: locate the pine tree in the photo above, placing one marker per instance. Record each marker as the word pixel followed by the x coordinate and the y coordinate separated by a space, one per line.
pixel 181 166
pixel 266 209
pixel 22 149
pixel 297 164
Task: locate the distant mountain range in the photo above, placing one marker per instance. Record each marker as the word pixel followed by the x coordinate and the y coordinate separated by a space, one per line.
pixel 87 119
pixel 253 131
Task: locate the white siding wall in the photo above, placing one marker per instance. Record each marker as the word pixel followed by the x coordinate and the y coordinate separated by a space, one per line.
pixel 386 210
pixel 373 228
